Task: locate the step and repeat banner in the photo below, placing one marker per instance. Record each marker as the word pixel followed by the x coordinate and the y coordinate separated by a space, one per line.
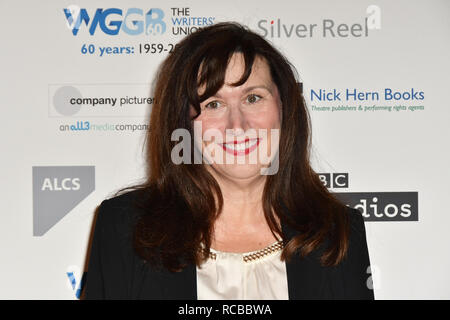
pixel 76 94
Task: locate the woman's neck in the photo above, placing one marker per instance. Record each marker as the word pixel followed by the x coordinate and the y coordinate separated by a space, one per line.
pixel 241 226
pixel 242 199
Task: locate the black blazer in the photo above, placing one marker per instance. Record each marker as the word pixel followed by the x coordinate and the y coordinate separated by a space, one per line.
pixel 116 272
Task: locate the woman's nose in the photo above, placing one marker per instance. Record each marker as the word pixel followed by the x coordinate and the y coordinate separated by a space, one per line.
pixel 236 121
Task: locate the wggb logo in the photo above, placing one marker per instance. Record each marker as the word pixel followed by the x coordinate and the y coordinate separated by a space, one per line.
pixel 111 21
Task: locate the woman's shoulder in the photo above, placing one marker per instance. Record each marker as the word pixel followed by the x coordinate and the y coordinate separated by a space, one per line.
pixel 357 259
pixel 356 265
pixel 357 227
pixel 112 261
pixel 119 212
pixel 125 199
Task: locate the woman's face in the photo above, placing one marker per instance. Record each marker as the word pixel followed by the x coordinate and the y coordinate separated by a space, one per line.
pixel 240 125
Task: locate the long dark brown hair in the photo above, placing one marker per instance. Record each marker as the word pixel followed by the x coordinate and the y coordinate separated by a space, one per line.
pixel 181 202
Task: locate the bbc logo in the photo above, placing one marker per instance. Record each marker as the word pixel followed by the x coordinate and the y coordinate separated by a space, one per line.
pixel 334 180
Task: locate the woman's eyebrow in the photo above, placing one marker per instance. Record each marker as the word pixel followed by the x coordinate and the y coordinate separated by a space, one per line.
pixel 261 86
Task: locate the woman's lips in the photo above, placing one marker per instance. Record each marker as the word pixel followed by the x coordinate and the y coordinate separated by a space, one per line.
pixel 241 148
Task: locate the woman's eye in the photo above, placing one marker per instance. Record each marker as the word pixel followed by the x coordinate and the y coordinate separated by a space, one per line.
pixel 212 105
pixel 253 98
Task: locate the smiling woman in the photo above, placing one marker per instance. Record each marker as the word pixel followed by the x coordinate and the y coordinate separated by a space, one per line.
pixel 241 116
pixel 225 227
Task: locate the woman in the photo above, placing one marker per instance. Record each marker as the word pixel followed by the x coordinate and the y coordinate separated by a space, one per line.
pixel 232 225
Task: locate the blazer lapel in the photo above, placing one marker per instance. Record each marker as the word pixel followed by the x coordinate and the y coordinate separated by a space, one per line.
pixel 306 277
pixel 181 285
pixel 161 284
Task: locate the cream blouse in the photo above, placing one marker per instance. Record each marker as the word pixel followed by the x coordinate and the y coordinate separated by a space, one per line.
pixel 256 275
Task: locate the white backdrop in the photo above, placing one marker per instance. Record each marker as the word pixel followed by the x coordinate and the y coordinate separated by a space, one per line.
pixel 62 156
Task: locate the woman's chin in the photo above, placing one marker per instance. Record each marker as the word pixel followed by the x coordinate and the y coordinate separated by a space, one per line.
pixel 239 171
